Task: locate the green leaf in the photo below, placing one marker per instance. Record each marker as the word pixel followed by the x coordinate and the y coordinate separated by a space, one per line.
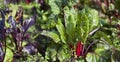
pixel 70 23
pixel 117 4
pixel 70 29
pixel 61 30
pixel 101 34
pixel 14 9
pixel 90 16
pixel 103 7
pixel 52 35
pixel 111 7
pixel 94 18
pixel 91 57
pixel 63 53
pixel 83 24
pixel 103 52
pixel 8 56
pixel 7 24
pixel 51 52
pixel 54 7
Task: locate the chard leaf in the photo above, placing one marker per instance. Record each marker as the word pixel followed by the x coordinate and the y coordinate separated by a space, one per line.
pixel 52 35
pixel 61 31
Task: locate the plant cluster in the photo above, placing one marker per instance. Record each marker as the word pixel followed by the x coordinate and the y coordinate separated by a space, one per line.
pixel 59 31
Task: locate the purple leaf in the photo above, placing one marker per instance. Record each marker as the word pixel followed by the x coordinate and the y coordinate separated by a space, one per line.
pixel 29 22
pixel 1 53
pixel 16 34
pixel 12 22
pixel 8 31
pixel 29 49
pixel 26 36
pixel 2 24
pixel 19 37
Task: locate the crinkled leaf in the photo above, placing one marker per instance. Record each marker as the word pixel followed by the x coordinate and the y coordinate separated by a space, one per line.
pixel 83 27
pixel 70 22
pixel 91 57
pixel 61 31
pixel 63 54
pixel 51 53
pixel 101 34
pixel 71 27
pixel 94 19
pixel 87 20
pixel 103 52
pixel 54 7
pixel 52 35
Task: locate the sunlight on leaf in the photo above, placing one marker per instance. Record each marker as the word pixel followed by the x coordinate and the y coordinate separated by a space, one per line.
pixel 61 31
pixel 52 35
pixel 8 56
